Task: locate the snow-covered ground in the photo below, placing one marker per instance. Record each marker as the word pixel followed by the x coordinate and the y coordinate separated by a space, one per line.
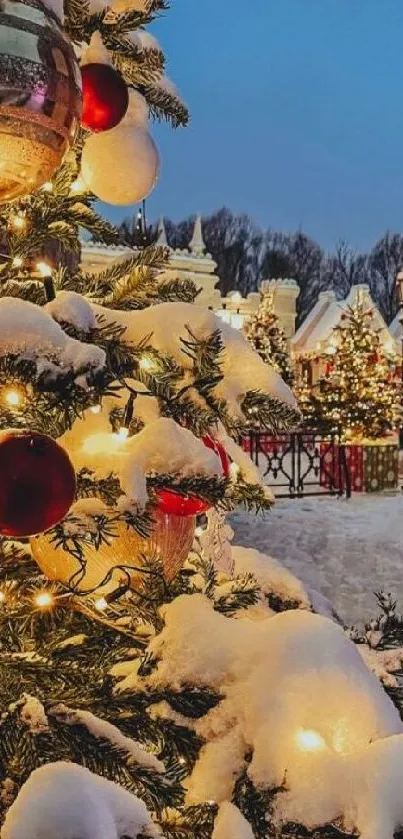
pixel 344 549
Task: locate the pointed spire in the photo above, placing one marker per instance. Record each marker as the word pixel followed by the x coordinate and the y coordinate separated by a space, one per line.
pixel 196 244
pixel 161 233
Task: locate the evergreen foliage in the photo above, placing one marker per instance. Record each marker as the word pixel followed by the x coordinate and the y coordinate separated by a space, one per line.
pixel 267 336
pixel 357 392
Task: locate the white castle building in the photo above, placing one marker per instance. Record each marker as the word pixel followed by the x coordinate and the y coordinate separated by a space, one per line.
pixel 314 335
pixel 195 263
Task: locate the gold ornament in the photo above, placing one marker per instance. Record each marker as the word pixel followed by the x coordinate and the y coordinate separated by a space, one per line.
pixel 40 96
pixel 170 542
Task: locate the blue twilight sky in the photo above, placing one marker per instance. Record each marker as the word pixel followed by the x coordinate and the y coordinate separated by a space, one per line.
pixel 297 115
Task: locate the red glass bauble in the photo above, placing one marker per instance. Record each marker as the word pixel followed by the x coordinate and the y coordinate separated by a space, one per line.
pixel 180 505
pixel 37 483
pixel 105 97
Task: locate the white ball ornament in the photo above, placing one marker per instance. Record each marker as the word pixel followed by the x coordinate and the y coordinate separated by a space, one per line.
pixel 120 166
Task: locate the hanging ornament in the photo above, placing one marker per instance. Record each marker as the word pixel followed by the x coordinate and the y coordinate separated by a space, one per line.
pixel 40 96
pixel 37 483
pixel 105 94
pixel 120 166
pixel 137 112
pixel 170 542
pixel 105 97
pixel 190 505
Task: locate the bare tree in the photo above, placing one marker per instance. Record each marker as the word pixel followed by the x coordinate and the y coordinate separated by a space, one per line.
pixel 385 261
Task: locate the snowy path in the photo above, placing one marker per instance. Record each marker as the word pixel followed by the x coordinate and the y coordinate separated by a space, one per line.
pixel 344 549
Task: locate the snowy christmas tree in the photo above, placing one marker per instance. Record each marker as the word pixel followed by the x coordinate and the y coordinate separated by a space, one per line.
pixel 357 393
pixel 267 336
pixel 155 680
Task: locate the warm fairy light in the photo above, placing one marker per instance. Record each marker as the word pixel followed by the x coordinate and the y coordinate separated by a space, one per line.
pixel 17 262
pixel 44 600
pixel 146 363
pixel 18 222
pixel 123 433
pixel 234 471
pixel 78 186
pixel 95 409
pixel 44 269
pixel 101 604
pixel 310 741
pixel 48 186
pixel 12 397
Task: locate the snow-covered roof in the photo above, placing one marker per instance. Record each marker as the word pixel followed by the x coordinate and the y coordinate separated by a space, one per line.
pixel 325 317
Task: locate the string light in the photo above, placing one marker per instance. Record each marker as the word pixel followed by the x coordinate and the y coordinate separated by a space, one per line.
pixel 310 741
pixel 146 363
pixel 44 269
pixel 48 186
pixel 234 471
pixel 78 186
pixel 101 604
pixel 95 409
pixel 17 262
pixel 12 397
pixel 44 600
pixel 19 222
pixel 123 433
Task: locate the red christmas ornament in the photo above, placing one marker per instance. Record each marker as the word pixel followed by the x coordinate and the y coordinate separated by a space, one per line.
pixel 180 505
pixel 105 97
pixel 37 483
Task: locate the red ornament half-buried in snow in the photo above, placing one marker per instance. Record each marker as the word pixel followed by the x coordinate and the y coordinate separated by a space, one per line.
pixel 37 483
pixel 105 97
pixel 180 505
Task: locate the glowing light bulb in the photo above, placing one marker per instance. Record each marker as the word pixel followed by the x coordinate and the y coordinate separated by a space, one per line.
pixel 18 222
pixel 78 186
pixel 101 604
pixel 44 269
pixel 95 409
pixel 146 363
pixel 123 433
pixel 48 186
pixel 234 471
pixel 12 397
pixel 310 741
pixel 17 262
pixel 44 600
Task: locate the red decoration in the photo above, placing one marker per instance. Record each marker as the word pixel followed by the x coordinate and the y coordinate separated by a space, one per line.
pixel 37 483
pixel 180 505
pixel 105 97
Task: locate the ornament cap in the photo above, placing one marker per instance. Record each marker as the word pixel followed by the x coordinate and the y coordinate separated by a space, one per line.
pixel 96 52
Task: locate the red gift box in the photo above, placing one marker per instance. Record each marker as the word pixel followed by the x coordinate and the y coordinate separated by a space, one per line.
pixel 332 476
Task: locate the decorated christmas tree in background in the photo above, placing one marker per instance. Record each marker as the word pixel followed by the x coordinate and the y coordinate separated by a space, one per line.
pixel 267 336
pixel 154 678
pixel 357 394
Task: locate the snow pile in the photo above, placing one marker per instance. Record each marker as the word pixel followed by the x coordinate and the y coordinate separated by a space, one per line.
pixel 161 447
pixel 230 824
pixel 105 730
pixel 72 308
pixel 30 332
pixel 272 577
pixel 297 695
pixel 243 370
pixel 65 801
